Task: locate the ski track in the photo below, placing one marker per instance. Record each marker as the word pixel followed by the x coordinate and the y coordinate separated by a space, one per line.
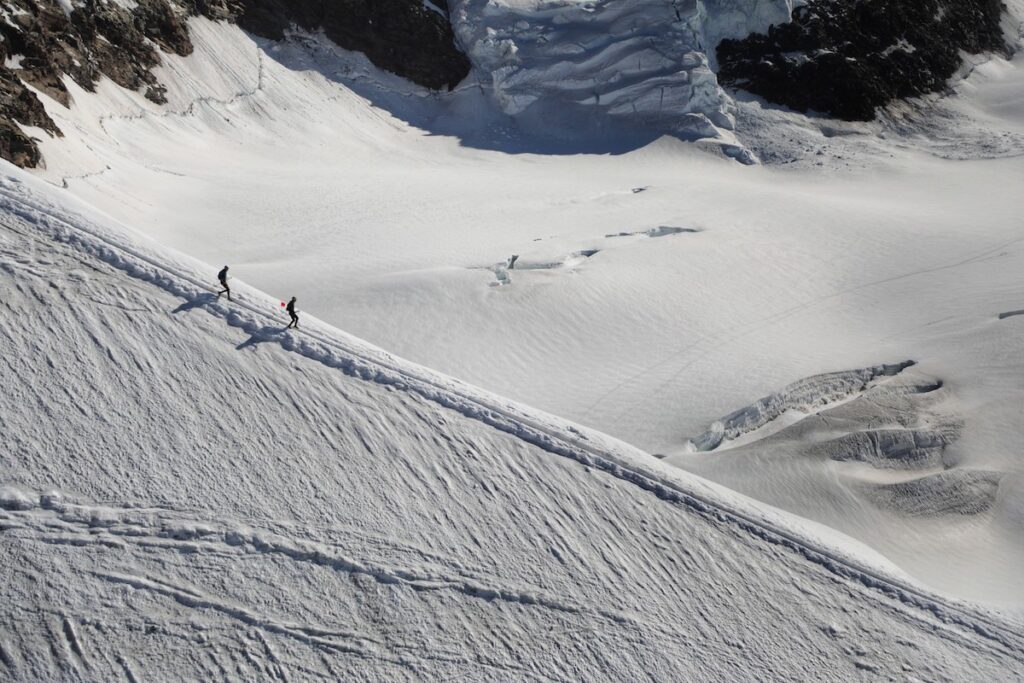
pixel 541 431
pixel 76 525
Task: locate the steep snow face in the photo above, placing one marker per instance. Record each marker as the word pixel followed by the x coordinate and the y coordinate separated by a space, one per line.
pixel 187 491
pixel 654 291
pixel 642 63
pixel 44 42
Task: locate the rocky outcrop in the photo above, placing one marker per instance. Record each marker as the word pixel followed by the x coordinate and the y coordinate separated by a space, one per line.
pixel 846 59
pixel 96 38
pixel 18 103
pixel 41 41
pixel 401 36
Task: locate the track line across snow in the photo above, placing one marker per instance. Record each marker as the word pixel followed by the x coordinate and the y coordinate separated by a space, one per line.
pixel 335 349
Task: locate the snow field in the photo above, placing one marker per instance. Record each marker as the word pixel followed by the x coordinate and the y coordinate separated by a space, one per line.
pixel 392 213
pixel 211 500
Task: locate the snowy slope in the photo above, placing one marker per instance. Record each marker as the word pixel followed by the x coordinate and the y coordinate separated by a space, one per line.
pixel 191 492
pixel 879 453
pixel 657 288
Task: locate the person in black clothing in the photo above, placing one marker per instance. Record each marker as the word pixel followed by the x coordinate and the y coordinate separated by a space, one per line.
pixel 291 312
pixel 223 277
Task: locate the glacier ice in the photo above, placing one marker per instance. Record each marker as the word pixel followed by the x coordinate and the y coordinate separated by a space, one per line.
pixel 647 63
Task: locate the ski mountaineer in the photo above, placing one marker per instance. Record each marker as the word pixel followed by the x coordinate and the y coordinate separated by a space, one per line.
pixel 291 312
pixel 223 277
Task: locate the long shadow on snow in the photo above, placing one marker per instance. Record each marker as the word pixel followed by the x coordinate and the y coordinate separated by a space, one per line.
pixel 467 114
pixel 196 302
pixel 268 333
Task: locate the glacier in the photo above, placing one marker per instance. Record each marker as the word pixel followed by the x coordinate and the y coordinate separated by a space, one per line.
pixel 646 64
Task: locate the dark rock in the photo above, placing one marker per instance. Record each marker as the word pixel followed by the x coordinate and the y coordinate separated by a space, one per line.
pixel 98 38
pixel 401 36
pixel 165 26
pixel 846 58
pixel 16 147
pixel 19 104
pixel 112 40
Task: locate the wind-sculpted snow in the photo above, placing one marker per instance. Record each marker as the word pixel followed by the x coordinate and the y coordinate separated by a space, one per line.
pixel 955 492
pixel 887 448
pixel 641 64
pixel 208 497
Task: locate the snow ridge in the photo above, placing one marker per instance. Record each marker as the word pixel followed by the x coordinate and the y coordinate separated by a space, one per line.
pixel 336 350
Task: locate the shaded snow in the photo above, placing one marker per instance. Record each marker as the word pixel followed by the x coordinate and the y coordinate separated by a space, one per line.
pixel 642 65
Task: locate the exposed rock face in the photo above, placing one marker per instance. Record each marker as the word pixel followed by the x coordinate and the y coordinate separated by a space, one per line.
pixel 19 103
pixel 401 36
pixel 847 58
pixel 96 38
pixel 40 42
pixel 644 60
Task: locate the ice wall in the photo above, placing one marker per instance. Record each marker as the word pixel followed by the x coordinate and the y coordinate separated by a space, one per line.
pixel 641 61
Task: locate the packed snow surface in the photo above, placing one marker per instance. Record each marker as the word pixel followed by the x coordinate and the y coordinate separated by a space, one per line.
pixel 642 287
pixel 193 492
